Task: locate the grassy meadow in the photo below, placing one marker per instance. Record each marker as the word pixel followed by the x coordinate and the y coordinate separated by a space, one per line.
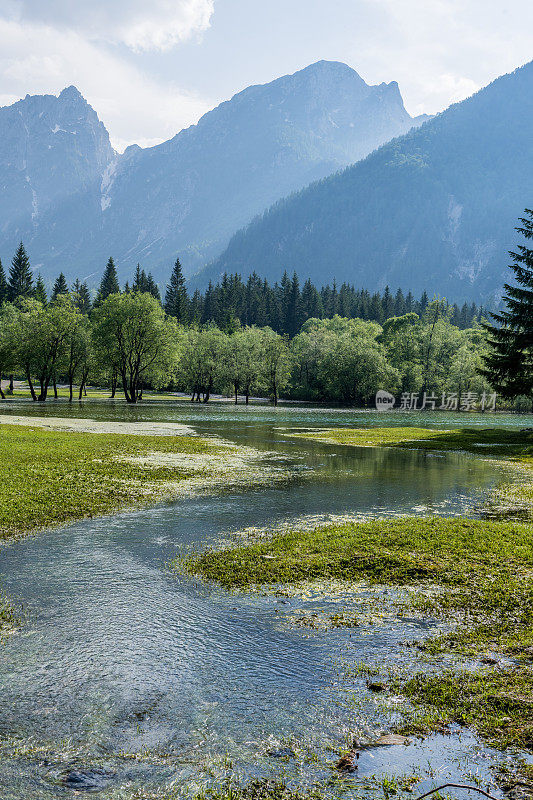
pixel 49 477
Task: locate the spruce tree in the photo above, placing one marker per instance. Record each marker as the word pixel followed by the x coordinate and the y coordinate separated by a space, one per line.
pixel 81 296
pixel 60 287
pixel 293 319
pixel 151 287
pixel 176 300
pixel 40 291
pixel 139 280
pixel 109 283
pixel 311 302
pixel 509 365
pixel 4 290
pixel 20 276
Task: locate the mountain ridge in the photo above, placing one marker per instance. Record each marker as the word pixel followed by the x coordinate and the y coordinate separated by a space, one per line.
pixel 447 193
pixel 188 195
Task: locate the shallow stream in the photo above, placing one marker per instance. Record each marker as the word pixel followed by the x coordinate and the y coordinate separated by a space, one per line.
pixel 127 675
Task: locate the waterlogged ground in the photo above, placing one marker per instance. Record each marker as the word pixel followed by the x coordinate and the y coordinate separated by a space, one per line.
pixel 128 677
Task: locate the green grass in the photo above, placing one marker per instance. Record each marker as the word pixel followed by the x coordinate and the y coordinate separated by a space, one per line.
pixel 258 789
pixel 447 551
pixel 501 442
pixel 50 477
pixel 497 703
pixel 482 570
pixel 8 615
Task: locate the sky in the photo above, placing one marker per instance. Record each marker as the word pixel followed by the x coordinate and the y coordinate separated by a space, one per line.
pixel 152 68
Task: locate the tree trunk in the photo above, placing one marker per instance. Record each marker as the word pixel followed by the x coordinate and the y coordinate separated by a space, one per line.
pixel 11 385
pixel 236 394
pixel 2 395
pixel 55 389
pixel 44 389
pixel 113 386
pixel 30 384
pixel 80 393
pixel 275 393
pixel 70 388
pixel 125 388
pixel 247 395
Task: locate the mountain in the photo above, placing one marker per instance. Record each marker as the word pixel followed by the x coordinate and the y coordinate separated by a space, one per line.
pixel 191 193
pixel 434 209
pixel 53 148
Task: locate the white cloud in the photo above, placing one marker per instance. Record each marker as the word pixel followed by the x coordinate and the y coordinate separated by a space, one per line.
pixel 442 51
pixel 140 25
pixel 36 59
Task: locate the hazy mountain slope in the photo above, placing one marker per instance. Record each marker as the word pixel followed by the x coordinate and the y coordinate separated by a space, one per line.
pixel 52 149
pixel 190 194
pixel 434 209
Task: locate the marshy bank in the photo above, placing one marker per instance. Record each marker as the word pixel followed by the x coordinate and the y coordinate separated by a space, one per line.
pixel 54 470
pixel 152 684
pixel 475 575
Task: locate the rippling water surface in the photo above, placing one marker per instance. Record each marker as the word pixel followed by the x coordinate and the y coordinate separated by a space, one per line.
pixel 121 656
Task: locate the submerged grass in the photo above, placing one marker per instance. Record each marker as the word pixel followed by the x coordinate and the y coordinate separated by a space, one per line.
pixel 497 703
pixel 9 619
pixel 509 445
pixel 50 477
pixel 481 575
pixel 501 442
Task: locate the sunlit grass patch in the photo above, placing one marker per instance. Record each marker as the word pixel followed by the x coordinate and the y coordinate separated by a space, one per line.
pixel 50 476
pixel 498 704
pixel 481 575
pixel 501 442
pixel 447 551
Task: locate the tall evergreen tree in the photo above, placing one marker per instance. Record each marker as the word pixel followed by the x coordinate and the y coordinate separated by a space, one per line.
pixel 81 296
pixel 40 291
pixel 139 280
pixel 293 318
pixel 20 275
pixel 152 288
pixel 176 300
pixel 60 287
pixel 509 365
pixel 109 283
pixel 311 302
pixel 4 289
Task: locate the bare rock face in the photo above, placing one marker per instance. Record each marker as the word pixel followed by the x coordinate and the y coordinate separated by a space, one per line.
pixel 53 148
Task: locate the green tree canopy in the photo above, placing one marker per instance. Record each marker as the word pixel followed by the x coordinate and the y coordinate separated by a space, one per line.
pixel 131 330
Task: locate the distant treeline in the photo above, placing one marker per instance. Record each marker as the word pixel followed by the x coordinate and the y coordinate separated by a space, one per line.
pixel 209 343
pixel 284 306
